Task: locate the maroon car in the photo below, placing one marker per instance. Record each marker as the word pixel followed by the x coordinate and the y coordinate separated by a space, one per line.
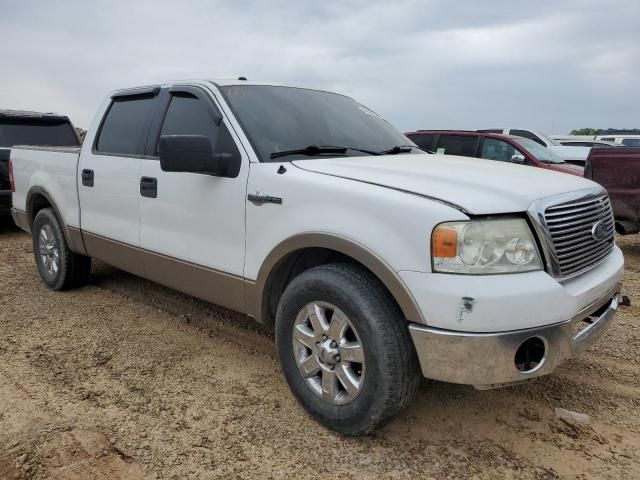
pixel 618 170
pixel 492 146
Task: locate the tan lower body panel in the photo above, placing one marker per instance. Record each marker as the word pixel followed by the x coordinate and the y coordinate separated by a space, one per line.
pixel 205 283
pixel 76 243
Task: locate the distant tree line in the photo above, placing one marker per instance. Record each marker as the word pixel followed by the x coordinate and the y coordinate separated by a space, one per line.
pixel 608 131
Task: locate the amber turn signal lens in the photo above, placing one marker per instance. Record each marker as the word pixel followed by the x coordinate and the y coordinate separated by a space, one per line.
pixel 444 242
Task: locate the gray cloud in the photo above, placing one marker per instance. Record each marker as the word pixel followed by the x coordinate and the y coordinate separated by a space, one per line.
pixel 420 64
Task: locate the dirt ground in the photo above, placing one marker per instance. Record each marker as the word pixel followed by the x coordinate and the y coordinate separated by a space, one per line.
pixel 124 379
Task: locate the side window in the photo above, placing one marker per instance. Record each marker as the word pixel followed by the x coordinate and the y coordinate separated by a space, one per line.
pixel 631 142
pixel 187 115
pixel 124 125
pixel 458 145
pixel 527 134
pixel 423 141
pixel 494 149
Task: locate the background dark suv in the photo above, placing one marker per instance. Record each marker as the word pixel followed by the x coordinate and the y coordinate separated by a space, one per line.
pixel 29 128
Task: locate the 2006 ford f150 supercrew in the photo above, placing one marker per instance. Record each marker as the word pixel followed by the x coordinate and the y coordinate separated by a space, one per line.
pixel 374 261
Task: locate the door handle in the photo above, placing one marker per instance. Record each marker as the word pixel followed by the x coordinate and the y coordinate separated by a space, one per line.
pixel 258 198
pixel 87 177
pixel 149 187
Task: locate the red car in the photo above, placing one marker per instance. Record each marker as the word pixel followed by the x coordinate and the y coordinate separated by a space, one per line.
pixel 492 146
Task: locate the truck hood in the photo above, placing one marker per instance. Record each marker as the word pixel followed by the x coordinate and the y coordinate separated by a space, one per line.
pixel 476 186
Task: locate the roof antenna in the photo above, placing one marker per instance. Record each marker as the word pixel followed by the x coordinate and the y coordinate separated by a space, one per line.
pixel 242 78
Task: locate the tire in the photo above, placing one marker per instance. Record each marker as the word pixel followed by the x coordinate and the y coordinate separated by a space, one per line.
pixel 59 267
pixel 380 387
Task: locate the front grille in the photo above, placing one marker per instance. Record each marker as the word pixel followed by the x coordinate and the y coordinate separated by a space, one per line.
pixel 571 226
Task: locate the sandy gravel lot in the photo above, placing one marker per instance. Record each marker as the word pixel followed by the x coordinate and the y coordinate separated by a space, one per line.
pixel 124 379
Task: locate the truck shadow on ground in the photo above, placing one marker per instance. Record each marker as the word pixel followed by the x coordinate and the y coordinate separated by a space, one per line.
pixel 212 320
pixel 7 226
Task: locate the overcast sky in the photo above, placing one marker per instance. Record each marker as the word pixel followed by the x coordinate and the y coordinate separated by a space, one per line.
pixel 547 65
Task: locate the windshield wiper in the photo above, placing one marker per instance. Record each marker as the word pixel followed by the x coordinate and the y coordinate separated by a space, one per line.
pixel 313 150
pixel 401 149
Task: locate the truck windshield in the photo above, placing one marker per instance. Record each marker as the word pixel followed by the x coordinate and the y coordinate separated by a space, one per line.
pixel 313 123
pixel 542 154
pixel 42 133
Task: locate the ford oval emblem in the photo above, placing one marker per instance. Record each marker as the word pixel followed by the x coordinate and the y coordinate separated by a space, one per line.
pixel 599 231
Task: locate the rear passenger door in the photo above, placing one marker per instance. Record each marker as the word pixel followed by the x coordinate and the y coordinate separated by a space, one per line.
pixel 192 227
pixel 109 174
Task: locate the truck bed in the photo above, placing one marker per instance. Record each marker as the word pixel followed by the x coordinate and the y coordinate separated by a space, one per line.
pixel 55 167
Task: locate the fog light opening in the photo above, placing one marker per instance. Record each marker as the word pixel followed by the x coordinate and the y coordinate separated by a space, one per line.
pixel 531 355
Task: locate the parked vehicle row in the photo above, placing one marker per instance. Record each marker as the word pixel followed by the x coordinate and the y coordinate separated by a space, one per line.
pixel 29 128
pixel 623 140
pixel 492 146
pixel 610 140
pixel 373 260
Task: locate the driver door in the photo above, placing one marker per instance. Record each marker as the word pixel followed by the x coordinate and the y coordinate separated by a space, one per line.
pixel 192 225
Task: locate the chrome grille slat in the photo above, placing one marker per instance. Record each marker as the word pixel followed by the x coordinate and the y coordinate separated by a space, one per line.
pixel 569 248
pixel 589 207
pixel 580 266
pixel 595 217
pixel 573 256
pixel 569 226
pixel 585 215
pixel 560 234
pixel 576 203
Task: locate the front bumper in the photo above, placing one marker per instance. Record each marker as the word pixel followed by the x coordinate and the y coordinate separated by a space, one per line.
pixel 487 360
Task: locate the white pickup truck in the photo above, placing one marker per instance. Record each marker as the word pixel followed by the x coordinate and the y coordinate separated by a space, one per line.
pixel 373 260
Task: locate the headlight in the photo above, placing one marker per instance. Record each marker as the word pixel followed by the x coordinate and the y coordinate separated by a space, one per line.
pixel 484 247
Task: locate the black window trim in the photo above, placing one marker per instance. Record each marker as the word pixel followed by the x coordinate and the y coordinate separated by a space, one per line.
pixel 153 135
pixel 151 92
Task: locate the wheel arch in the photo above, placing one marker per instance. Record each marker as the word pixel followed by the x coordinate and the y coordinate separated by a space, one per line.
pixel 39 198
pixel 301 252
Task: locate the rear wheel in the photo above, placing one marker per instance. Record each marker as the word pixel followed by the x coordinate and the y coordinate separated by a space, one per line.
pixel 59 267
pixel 345 348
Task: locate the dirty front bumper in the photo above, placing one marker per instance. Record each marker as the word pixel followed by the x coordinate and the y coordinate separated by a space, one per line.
pixel 488 360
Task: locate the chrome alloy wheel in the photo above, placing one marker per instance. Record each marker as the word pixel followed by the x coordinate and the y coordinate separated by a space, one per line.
pixel 328 353
pixel 49 251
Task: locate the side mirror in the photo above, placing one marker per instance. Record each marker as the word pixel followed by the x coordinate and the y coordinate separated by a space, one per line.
pixel 191 153
pixel 517 158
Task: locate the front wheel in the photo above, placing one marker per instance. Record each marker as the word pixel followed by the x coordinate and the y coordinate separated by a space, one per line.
pixel 59 267
pixel 345 348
